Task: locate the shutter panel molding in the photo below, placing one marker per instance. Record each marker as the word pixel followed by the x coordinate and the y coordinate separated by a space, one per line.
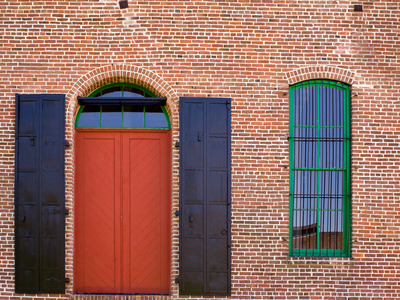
pixel 205 195
pixel 40 194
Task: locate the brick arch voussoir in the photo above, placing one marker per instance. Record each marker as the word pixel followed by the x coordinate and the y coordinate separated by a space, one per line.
pixel 320 72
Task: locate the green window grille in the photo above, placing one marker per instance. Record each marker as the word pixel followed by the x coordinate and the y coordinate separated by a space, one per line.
pixel 319 223
pixel 122 116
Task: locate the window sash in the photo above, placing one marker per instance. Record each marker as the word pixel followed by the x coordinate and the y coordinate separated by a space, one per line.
pixel 319 150
pixel 122 105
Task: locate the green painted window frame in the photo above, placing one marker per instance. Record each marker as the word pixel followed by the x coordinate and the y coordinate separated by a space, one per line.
pixel 146 93
pixel 318 170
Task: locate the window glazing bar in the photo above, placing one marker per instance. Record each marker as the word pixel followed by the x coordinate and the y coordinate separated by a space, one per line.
pixel 161 101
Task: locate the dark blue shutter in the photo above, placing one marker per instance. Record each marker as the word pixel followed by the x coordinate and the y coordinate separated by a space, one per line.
pixel 39 194
pixel 205 177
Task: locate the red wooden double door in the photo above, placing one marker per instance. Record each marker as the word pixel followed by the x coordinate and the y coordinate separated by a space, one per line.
pixel 122 212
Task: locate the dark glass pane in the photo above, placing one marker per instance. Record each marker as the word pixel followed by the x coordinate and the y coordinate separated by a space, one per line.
pixel 90 117
pixel 331 106
pixel 129 94
pixel 331 202
pixel 133 116
pixel 332 133
pixel 305 154
pixel 305 132
pixel 133 92
pixel 111 116
pixel 304 202
pixel 110 92
pixel 331 154
pixel 305 106
pixel 304 229
pixel 305 183
pixel 155 117
pixel 331 230
pixel 331 209
pixel 331 183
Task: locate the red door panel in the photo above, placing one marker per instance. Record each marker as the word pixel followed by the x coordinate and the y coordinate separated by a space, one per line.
pixel 122 211
pixel 146 194
pixel 96 224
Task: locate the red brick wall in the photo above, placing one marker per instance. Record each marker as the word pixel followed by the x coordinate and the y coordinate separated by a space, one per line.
pixel 250 51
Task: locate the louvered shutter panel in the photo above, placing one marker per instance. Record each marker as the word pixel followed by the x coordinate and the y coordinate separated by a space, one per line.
pixel 205 196
pixel 39 194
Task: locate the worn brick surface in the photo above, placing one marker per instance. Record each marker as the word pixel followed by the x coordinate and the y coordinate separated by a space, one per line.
pixel 249 50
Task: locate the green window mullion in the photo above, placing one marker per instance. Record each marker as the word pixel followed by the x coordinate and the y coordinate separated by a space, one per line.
pixel 291 167
pixel 318 166
pixel 166 115
pixel 346 175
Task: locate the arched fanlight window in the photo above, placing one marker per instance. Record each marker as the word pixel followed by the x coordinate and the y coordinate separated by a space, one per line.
pixel 121 105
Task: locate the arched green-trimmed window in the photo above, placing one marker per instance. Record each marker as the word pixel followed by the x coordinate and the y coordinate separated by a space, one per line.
pixel 319 155
pixel 116 115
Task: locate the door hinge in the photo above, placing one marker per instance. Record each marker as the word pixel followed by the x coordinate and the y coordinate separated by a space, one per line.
pixel 177 144
pixel 66 212
pixel 66 279
pixel 66 144
pixel 177 280
pixel 191 219
pixel 52 279
pixel 177 213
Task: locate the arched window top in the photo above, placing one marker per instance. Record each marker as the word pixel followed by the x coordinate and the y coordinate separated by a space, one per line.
pixel 121 90
pixel 131 115
pixel 319 102
pixel 327 83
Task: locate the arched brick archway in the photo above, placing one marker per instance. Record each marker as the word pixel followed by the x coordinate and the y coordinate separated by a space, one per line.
pixel 320 72
pixel 120 73
pixel 83 87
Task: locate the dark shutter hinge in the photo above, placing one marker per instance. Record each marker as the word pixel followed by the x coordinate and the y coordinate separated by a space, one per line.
pixel 66 280
pixel 228 105
pixel 177 213
pixel 52 279
pixel 66 143
pixel 177 144
pixel 66 212
pixel 177 280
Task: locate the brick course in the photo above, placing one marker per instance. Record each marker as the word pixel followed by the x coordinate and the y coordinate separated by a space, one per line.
pixel 250 51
